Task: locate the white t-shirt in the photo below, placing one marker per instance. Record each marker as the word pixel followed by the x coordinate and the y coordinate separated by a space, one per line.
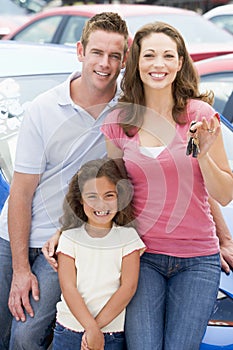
pixel 98 262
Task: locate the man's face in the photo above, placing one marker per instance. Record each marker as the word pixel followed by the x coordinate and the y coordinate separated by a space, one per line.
pixel 102 59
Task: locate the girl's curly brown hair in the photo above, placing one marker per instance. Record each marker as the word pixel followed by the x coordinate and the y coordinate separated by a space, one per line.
pixel 73 213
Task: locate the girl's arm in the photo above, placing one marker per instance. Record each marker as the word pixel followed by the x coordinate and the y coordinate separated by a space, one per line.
pixel 128 286
pixel 213 161
pixel 67 278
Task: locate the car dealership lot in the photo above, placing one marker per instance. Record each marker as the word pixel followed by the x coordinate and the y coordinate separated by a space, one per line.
pixel 63 25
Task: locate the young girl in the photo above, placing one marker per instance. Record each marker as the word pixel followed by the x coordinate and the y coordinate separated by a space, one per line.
pixel 98 259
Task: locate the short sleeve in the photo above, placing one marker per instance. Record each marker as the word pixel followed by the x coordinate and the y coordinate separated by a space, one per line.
pixel 198 109
pixel 112 130
pixel 133 242
pixel 30 147
pixel 66 245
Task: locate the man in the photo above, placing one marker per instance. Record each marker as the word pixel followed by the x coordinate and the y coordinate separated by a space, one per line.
pixel 59 132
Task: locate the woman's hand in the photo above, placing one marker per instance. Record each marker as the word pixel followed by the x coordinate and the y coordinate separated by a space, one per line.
pixel 204 133
pixel 49 249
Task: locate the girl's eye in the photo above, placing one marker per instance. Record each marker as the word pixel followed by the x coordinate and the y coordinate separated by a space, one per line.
pixel 92 196
pixel 111 196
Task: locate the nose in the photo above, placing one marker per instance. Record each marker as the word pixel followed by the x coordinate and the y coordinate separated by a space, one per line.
pixel 100 203
pixel 158 61
pixel 104 60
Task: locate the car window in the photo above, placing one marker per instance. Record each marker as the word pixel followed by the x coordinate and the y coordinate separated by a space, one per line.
pixel 41 31
pixel 73 30
pixel 193 28
pixel 222 86
pixel 224 21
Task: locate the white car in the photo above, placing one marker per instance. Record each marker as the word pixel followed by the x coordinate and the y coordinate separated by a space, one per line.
pixel 25 71
pixel 222 16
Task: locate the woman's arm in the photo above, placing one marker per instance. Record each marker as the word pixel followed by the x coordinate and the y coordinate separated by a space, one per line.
pixel 67 277
pixel 128 286
pixel 213 161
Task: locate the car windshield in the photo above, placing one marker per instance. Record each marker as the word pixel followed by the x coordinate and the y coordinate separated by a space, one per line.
pixel 194 29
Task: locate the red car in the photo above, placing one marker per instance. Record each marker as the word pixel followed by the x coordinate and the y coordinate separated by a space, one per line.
pixel 216 74
pixel 63 25
pixel 8 23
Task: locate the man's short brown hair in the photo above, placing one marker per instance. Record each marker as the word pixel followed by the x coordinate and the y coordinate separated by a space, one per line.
pixel 107 21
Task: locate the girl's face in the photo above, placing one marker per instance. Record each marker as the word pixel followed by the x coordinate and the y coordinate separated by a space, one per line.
pixel 158 61
pixel 99 198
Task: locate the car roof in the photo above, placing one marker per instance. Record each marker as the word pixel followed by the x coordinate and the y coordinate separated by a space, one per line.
pixel 125 10
pixel 122 9
pixel 219 10
pixel 25 59
pixel 222 63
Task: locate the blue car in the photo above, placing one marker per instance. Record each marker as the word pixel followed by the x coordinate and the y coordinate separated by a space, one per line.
pixel 219 333
pixel 4 190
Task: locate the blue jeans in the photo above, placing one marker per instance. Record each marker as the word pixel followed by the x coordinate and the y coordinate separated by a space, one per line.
pixel 173 302
pixel 35 333
pixel 66 339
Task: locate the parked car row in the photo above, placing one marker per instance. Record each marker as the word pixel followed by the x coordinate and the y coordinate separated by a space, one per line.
pixel 63 25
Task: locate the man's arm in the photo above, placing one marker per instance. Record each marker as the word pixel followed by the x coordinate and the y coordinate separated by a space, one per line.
pixel 19 225
pixel 224 235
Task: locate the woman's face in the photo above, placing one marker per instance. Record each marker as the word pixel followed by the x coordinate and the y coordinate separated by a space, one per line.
pixel 158 61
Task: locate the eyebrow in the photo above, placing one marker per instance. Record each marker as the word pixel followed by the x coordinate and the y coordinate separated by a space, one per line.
pixel 86 193
pixel 153 50
pixel 111 53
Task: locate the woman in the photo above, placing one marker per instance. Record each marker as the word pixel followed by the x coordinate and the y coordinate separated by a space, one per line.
pixel 161 110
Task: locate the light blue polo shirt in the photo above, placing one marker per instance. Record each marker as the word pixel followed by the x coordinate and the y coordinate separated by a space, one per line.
pixel 56 137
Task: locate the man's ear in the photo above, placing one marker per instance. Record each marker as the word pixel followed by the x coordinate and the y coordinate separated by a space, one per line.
pixel 80 51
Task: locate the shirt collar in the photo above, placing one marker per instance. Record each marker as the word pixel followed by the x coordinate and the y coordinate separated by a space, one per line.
pixel 64 97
